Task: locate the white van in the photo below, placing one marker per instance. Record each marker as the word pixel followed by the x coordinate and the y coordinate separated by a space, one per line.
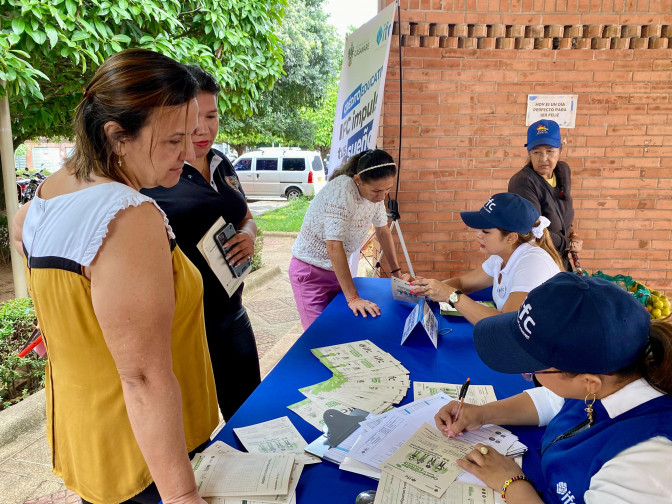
pixel 280 173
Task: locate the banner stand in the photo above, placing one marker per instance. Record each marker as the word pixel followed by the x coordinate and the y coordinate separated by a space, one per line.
pixel 392 203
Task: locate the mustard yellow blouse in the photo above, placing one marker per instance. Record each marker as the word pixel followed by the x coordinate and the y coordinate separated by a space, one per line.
pixel 93 447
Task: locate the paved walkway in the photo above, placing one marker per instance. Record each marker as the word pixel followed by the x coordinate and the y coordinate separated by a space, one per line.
pixel 25 465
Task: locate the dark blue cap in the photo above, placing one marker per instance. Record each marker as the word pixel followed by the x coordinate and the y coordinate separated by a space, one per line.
pixel 572 323
pixel 506 211
pixel 544 132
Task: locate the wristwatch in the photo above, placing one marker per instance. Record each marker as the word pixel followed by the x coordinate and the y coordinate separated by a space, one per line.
pixel 454 298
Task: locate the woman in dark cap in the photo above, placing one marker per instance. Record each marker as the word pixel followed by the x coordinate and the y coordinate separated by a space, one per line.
pixel 521 258
pixel 606 371
pixel 546 182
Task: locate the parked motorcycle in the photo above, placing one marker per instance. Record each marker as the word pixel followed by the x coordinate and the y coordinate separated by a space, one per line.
pixel 26 185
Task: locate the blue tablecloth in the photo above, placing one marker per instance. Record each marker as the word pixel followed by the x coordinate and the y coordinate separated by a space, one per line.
pixel 453 362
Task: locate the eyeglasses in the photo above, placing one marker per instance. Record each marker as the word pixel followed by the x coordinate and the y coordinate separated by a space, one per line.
pixel 529 376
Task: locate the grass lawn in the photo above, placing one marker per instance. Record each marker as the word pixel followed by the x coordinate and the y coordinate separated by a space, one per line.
pixel 287 218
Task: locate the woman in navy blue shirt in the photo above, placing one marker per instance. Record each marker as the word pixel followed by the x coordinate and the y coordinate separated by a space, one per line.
pixel 207 190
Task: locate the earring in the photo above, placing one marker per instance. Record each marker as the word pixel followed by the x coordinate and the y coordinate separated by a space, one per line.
pixel 589 407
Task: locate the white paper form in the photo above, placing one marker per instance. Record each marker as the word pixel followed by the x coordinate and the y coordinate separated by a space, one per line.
pixel 242 474
pixel 392 490
pixel 477 394
pixel 208 247
pixel 333 390
pixel 275 436
pixel 427 461
pixel 356 349
pixel 290 498
pixel 231 500
pixel 429 406
pixel 313 412
pixel 401 381
pixel 401 291
pixel 218 448
pixel 385 434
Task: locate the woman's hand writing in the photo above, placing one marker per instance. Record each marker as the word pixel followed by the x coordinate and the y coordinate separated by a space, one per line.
pixel 469 418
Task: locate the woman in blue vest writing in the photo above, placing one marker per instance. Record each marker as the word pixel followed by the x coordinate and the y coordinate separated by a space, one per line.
pixel 606 371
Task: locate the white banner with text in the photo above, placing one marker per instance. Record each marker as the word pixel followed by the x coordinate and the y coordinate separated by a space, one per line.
pixel 360 91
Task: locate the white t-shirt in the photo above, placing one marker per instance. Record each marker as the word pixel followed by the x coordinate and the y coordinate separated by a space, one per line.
pixel 336 213
pixel 639 474
pixel 529 266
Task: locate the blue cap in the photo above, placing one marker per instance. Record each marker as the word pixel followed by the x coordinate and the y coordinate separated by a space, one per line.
pixel 544 132
pixel 572 323
pixel 507 211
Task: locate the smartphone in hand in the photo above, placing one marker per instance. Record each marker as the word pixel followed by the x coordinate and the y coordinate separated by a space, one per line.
pixel 221 237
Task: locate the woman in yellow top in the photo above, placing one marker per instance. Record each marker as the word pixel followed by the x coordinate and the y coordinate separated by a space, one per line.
pixel 129 382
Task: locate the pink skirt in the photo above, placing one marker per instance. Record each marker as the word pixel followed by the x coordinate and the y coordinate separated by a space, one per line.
pixel 313 287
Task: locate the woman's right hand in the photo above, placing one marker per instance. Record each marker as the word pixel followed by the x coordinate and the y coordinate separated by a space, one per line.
pixel 363 306
pixel 469 419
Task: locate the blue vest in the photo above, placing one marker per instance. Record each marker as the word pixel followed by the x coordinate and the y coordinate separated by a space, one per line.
pixel 569 464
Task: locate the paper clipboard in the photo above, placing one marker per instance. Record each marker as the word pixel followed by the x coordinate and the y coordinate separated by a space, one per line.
pixel 208 247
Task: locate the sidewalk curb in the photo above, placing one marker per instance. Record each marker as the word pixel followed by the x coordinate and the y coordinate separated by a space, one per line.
pixel 22 417
pixel 260 278
pixel 292 234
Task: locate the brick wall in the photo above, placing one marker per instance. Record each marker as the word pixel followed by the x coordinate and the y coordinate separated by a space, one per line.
pixel 468 67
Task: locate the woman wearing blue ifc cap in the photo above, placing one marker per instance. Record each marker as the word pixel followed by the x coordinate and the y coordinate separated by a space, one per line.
pixel 546 182
pixel 606 371
pixel 522 256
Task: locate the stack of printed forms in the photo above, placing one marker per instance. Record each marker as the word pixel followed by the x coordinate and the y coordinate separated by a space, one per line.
pixel 225 475
pixel 380 437
pixel 364 377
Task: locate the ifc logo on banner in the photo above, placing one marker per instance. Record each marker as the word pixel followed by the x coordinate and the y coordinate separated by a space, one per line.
pixel 383 33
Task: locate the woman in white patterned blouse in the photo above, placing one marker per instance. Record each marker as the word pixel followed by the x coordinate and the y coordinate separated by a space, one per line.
pixel 335 225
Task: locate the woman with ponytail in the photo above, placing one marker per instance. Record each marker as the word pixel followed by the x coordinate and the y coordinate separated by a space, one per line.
pixel 606 375
pixel 335 225
pixel 522 257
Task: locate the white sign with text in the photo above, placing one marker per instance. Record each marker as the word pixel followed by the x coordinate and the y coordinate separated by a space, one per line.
pixel 558 108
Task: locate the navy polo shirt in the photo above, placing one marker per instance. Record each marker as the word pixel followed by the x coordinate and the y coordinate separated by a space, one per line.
pixel 193 205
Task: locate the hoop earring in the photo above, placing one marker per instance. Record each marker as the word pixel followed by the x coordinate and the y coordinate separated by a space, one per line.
pixel 589 407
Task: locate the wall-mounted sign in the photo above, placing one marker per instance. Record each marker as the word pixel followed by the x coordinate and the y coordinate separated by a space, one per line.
pixel 559 108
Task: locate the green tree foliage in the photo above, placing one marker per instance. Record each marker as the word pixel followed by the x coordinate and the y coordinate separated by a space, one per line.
pixel 322 119
pixel 312 53
pixel 19 376
pixel 49 49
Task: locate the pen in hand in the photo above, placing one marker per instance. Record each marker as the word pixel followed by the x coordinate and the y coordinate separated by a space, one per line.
pixel 461 396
